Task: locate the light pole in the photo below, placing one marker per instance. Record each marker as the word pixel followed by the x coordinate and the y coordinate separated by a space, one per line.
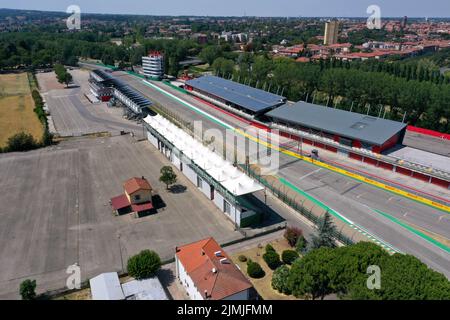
pixel 120 250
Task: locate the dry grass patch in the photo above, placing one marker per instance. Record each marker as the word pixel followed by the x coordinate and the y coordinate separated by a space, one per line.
pixel 16 108
pixel 263 285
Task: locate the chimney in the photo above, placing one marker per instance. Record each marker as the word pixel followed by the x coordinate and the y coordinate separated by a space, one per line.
pixel 214 270
pixel 176 249
pixel 143 178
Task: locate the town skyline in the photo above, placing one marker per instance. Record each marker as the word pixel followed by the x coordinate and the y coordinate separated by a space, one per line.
pixel 251 8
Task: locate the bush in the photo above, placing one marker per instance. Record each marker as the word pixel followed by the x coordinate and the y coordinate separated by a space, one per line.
pixel 144 265
pixel 242 258
pixel 289 256
pixel 272 259
pixel 270 248
pixel 280 280
pixel 254 270
pixel 21 142
pixel 301 245
pixel 292 234
pixel 27 289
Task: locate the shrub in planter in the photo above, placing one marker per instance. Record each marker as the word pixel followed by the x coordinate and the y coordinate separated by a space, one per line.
pixel 254 270
pixel 272 259
pixel 292 234
pixel 242 258
pixel 289 256
pixel 280 280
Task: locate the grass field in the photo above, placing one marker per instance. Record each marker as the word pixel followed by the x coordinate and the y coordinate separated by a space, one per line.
pixel 16 108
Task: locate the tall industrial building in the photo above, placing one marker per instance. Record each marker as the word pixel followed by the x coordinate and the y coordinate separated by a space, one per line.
pixel 153 65
pixel 331 32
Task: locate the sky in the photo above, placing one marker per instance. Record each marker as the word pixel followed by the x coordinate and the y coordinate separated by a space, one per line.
pixel 280 8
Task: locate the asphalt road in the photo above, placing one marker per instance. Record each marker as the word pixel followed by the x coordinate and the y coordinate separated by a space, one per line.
pixel 355 200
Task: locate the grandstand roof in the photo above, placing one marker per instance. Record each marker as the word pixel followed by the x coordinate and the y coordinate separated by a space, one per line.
pixel 252 99
pixel 108 80
pixel 352 125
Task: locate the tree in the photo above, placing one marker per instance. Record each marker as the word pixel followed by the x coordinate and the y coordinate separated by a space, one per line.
pixel 168 177
pixel 68 79
pixel 210 53
pixel 144 265
pixel 272 258
pixel 301 244
pixel 254 270
pixel 28 289
pixel 292 234
pixel 280 280
pixel 310 275
pixel 289 256
pixel 21 142
pixel 325 232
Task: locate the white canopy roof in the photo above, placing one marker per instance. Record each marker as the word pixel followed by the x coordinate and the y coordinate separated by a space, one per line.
pixel 106 287
pixel 235 181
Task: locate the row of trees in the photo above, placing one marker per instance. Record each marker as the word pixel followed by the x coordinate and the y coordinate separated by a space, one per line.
pixel 62 75
pixel 425 103
pixel 422 69
pixel 344 271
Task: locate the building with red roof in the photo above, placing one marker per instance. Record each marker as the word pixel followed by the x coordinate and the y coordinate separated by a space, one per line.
pixel 207 273
pixel 137 198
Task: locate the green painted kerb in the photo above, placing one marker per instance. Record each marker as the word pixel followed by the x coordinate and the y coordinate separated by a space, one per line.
pixel 313 200
pixel 411 229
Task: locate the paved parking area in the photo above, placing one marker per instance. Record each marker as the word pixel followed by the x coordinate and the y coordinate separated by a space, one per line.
pixel 74 115
pixel 55 212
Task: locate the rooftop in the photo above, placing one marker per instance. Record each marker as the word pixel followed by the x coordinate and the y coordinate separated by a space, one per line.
pixel 235 181
pixel 106 287
pixel 107 80
pixel 252 99
pixel 136 184
pixel 211 269
pixel 344 123
pixel 148 289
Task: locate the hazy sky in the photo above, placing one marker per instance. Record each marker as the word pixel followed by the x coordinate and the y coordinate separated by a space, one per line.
pixel 293 8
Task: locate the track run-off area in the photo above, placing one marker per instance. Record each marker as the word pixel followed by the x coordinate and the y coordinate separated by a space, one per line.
pixel 341 217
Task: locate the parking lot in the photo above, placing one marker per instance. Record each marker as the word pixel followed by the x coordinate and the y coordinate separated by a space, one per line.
pixel 55 212
pixel 73 114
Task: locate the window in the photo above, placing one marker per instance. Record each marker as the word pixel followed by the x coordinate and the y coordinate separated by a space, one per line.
pixel 226 207
pixel 199 183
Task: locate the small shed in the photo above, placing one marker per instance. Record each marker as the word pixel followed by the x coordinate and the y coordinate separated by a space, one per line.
pixel 106 286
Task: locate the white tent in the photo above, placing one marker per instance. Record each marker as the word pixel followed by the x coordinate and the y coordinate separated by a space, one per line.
pixel 235 181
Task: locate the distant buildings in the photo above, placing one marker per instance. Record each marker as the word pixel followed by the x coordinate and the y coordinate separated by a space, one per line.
pixel 331 32
pixel 207 273
pixel 153 65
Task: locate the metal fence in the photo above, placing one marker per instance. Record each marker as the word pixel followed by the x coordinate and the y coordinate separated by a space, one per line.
pixel 294 204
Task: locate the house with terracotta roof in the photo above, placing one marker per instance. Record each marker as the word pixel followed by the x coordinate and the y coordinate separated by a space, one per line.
pixel 137 198
pixel 207 273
